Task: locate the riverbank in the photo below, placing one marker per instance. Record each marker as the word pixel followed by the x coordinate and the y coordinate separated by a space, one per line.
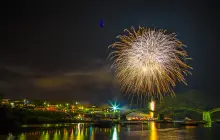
pixel 13 118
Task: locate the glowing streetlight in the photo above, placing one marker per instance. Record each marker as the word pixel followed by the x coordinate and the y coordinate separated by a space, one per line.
pixel 114 106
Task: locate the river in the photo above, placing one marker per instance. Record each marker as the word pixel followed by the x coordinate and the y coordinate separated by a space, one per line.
pixel 150 131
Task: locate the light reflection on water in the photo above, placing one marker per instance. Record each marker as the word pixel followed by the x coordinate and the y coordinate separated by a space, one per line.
pixel 150 131
pixel 153 131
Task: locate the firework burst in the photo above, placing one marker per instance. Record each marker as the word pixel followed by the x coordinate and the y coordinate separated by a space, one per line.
pixel 149 62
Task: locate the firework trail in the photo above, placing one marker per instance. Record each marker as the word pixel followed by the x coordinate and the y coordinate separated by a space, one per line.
pixel 149 62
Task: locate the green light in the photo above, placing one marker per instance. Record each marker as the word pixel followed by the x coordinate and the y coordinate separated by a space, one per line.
pixel 22 137
pixel 206 116
pixel 209 124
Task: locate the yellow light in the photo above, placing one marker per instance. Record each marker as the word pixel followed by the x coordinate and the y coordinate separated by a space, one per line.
pixel 152 105
pixel 151 114
pixel 153 131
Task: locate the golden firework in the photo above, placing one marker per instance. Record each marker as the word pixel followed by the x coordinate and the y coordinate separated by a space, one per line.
pixel 149 62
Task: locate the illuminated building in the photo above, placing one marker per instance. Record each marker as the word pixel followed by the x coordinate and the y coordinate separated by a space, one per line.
pixel 138 116
pixel 19 103
pixel 40 108
pixel 30 106
pixel 94 109
pixel 106 110
pixel 52 108
pixel 12 104
pixel 5 101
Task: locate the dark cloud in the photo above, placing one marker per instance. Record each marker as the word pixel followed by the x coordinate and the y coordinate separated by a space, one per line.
pixel 97 77
pixel 91 81
pixel 25 71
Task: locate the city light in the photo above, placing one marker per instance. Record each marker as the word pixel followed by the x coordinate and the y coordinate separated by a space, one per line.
pixel 114 106
pixel 152 108
pixel 12 104
pixel 152 105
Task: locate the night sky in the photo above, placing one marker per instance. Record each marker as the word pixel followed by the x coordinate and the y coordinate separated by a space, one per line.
pixel 57 51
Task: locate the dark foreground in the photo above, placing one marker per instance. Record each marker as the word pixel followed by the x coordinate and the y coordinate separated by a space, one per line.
pixel 84 131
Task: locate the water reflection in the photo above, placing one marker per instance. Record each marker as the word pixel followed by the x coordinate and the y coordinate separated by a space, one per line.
pixel 75 131
pixel 80 131
pixel 92 136
pixel 153 131
pixel 157 131
pixel 115 137
pixel 209 124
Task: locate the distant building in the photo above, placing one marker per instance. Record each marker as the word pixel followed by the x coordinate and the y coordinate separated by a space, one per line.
pixel 5 101
pixel 106 110
pixel 18 103
pixel 138 116
pixel 52 108
pixel 40 108
pixel 30 106
pixel 94 109
pixel 22 104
